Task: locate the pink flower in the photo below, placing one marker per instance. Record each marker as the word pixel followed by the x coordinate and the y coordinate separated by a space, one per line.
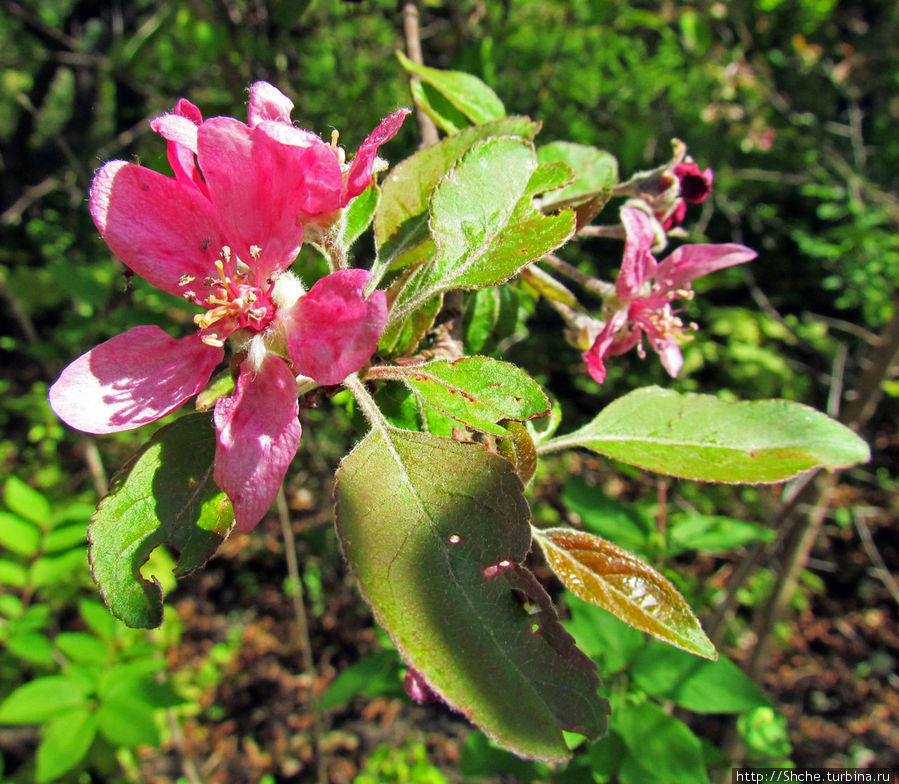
pixel 221 233
pixel 645 289
pixel 695 185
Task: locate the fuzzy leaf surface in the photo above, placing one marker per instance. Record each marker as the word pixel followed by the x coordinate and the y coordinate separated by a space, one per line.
pixel 478 391
pixel 435 531
pixel 407 188
pixel 702 437
pixel 610 577
pixel 166 495
pixel 484 223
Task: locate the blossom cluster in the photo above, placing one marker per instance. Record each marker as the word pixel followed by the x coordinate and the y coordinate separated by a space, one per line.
pixel 222 233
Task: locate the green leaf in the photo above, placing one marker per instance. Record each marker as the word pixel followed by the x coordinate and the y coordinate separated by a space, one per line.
pixel 31 646
pixel 127 723
pixel 627 525
pixel 166 495
pixel 82 647
pixel 445 116
pixel 65 538
pixel 403 336
pixel 52 569
pixel 595 174
pixel 662 748
pixel 435 531
pixel 372 676
pixel 98 619
pixel 19 536
pixel 714 533
pixel 602 636
pixel 407 189
pixel 359 214
pixel 610 577
pixel 42 698
pixel 26 502
pixel 64 742
pixel 484 224
pixel 701 437
pixel 13 574
pixel 490 315
pixel 478 391
pixel 474 99
pixel 698 685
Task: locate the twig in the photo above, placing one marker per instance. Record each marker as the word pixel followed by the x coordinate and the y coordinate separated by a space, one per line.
pixel 188 766
pixel 882 571
pixel 600 287
pixel 601 231
pixel 426 125
pixel 304 641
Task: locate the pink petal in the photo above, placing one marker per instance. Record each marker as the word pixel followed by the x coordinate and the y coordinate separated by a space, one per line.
pixel 261 180
pixel 185 108
pixel 332 331
pixel 359 175
pixel 602 346
pixel 670 354
pixel 258 434
pixel 160 228
pixel 318 179
pixel 132 379
pixel 638 264
pixel 181 133
pixel 267 102
pixel 178 129
pixel 689 262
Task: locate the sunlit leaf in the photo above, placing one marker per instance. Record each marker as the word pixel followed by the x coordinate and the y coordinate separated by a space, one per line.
pixel 595 174
pixel 19 536
pixel 439 562
pixel 407 188
pixel 478 391
pixel 604 574
pixel 25 501
pixel 701 437
pixel 484 224
pixel 166 495
pixel 465 92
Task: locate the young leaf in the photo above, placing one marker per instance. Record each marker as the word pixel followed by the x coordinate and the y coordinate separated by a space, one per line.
pixel 64 742
pixel 435 530
pixel 490 316
pixel 484 224
pixel 19 536
pixel 599 572
pixel 464 92
pixel 42 698
pixel 700 686
pixel 596 173
pixel 166 495
pixel 661 747
pixel 25 501
pixel 359 214
pixel 701 437
pixel 478 391
pixel 714 534
pixel 407 188
pixel 127 723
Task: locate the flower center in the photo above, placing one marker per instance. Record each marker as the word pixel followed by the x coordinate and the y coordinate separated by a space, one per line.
pixel 235 300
